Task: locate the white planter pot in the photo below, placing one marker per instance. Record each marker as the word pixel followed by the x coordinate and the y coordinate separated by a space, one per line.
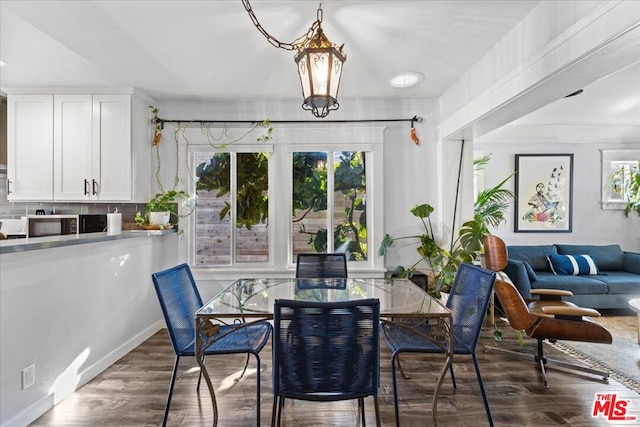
pixel 159 218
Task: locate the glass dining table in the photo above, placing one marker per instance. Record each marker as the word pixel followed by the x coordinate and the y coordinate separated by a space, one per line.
pixel 247 300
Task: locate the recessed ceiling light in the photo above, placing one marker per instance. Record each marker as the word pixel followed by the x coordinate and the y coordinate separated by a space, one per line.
pixel 2 63
pixel 407 79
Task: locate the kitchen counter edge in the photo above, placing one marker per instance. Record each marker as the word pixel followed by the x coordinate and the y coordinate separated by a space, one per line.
pixel 37 243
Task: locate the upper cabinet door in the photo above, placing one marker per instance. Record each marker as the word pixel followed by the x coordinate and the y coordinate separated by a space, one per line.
pixel 72 147
pixel 30 147
pixel 111 147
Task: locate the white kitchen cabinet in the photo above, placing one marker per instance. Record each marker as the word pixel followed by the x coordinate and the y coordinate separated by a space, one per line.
pixel 30 147
pixel 72 147
pixel 92 147
pixel 95 144
pixel 111 178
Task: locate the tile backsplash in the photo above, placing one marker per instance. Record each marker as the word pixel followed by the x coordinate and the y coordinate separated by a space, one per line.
pixel 20 209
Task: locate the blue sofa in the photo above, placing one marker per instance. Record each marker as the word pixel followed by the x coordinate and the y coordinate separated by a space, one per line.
pixel 616 282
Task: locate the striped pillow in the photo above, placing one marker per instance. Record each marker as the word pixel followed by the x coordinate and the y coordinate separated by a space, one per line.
pixel 572 265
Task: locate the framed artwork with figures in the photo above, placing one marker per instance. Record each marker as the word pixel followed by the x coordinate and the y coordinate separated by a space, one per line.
pixel 544 193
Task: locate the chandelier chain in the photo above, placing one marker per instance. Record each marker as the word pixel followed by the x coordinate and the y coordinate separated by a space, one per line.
pixel 298 43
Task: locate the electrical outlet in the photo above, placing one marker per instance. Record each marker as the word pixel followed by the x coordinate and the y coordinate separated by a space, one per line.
pixel 28 376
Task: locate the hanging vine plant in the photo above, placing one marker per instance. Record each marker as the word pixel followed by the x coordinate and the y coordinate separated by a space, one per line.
pixel 176 201
pixel 208 130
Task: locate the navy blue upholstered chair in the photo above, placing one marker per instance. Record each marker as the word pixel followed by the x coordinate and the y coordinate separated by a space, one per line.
pixel 468 302
pixel 326 351
pixel 180 299
pixel 321 265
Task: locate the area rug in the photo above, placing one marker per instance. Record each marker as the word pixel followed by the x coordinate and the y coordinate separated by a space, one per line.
pixel 621 359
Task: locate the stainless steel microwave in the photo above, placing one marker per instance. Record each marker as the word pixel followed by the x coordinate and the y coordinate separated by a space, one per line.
pixel 51 225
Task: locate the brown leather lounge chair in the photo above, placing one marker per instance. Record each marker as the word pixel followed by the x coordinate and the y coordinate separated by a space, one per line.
pixel 542 319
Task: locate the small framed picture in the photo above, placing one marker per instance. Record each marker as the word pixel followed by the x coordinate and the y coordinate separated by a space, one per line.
pixel 544 193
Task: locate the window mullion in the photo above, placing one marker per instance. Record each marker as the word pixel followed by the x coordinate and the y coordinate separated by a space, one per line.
pixel 330 201
pixel 233 199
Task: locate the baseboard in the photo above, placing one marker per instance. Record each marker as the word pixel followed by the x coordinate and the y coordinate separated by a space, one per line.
pixel 40 407
pixel 31 412
pixel 94 370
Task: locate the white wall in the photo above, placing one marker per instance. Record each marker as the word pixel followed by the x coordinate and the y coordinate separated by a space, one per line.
pixel 73 311
pixel 591 224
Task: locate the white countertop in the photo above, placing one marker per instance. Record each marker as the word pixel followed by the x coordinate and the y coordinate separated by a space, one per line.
pixel 36 243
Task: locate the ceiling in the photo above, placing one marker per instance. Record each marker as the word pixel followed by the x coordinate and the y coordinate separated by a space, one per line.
pixel 210 50
pixel 606 110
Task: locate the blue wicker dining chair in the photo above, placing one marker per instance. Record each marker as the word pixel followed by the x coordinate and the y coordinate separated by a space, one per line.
pixel 180 299
pixel 326 351
pixel 321 265
pixel 468 302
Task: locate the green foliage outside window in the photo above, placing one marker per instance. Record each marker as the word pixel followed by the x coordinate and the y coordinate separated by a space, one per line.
pixel 310 188
pixel 350 178
pixel 253 183
pixel 309 194
pixel 309 183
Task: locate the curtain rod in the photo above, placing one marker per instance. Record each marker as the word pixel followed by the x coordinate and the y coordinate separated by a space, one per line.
pixel 413 120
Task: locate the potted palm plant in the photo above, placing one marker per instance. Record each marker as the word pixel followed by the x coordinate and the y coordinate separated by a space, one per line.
pixel 489 210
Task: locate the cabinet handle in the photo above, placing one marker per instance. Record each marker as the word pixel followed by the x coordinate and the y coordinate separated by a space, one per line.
pixel 8 186
pixel 86 190
pixel 95 184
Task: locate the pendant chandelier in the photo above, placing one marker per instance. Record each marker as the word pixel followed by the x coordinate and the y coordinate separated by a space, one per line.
pixel 319 65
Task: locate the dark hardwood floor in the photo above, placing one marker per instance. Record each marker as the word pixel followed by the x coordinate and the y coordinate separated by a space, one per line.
pixel 132 392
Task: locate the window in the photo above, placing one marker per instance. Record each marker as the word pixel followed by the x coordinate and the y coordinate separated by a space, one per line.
pixel 616 166
pixel 329 199
pixel 619 179
pixel 224 180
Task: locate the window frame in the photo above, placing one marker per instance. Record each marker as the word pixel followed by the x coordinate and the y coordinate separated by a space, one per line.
pixel 233 150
